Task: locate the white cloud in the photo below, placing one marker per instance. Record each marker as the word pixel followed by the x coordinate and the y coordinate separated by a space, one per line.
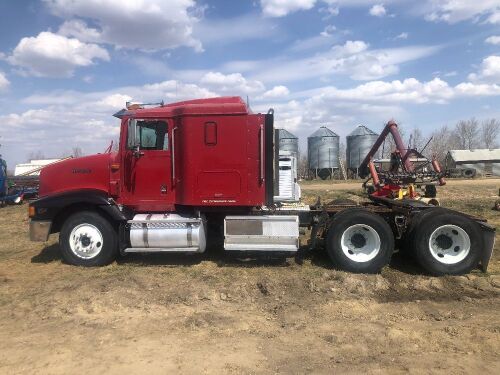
pixel 84 119
pixel 409 90
pixel 473 89
pixel 52 55
pixel 142 24
pixel 402 36
pixel 489 71
pixel 494 39
pixel 323 40
pixel 233 83
pixel 78 29
pixel 398 92
pixel 494 17
pixel 171 91
pixel 328 30
pixel 115 100
pixel 4 82
pixel 56 121
pixel 378 10
pixel 372 102
pixel 350 48
pixel 104 101
pixel 280 8
pixel 242 28
pixel 354 59
pixel 331 10
pixel 453 11
pixel 276 92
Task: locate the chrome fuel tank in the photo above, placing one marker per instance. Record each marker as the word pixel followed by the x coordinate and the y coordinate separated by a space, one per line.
pixel 167 232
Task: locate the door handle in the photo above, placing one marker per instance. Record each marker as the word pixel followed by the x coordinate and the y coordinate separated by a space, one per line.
pixel 137 152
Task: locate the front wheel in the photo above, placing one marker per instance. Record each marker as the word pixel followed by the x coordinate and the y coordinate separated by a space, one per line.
pixel 447 244
pixel 360 241
pixel 88 239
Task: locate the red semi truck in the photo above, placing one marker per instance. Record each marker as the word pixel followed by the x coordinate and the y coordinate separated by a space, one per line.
pixel 185 167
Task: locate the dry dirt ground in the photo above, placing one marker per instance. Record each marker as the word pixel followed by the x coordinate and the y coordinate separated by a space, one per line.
pixel 215 314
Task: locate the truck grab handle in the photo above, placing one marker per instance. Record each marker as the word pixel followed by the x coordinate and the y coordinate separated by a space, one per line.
pixel 173 155
pixel 261 157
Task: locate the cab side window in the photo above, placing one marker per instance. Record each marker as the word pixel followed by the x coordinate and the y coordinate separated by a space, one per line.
pixel 153 135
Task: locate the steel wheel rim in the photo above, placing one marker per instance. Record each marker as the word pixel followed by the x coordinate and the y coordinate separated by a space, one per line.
pixel 360 243
pixel 449 244
pixel 86 241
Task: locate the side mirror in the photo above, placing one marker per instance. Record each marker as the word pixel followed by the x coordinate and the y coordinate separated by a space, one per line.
pixel 132 134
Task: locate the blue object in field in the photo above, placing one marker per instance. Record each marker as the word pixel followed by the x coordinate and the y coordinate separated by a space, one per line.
pixel 19 195
pixel 14 194
pixel 3 177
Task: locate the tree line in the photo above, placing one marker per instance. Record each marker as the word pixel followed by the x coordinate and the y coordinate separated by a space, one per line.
pixel 465 135
pixel 75 152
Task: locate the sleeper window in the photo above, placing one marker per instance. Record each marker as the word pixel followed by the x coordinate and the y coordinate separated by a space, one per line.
pixel 210 133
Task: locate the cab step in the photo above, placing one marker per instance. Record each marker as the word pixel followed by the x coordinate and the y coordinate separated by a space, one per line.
pixel 269 233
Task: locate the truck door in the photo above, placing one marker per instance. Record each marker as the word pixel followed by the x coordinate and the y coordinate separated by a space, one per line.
pixel 148 165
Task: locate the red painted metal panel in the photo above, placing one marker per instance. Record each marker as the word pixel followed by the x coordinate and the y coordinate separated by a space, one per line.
pixel 217 165
pixel 89 172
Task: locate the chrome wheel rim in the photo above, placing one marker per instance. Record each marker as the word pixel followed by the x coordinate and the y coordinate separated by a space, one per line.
pixel 449 244
pixel 86 241
pixel 360 243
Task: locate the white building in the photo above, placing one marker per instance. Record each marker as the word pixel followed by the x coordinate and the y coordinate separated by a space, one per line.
pixel 486 162
pixel 33 165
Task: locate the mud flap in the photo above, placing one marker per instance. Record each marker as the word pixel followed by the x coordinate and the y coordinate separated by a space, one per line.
pixel 489 244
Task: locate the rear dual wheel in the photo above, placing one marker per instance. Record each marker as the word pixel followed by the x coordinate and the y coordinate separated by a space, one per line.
pixel 360 241
pixel 445 243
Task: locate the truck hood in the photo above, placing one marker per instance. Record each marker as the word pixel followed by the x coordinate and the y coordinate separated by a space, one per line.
pixel 88 172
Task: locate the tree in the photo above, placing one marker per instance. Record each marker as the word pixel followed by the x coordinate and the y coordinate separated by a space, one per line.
pixel 417 140
pixel 490 129
pixel 443 140
pixel 467 134
pixel 77 152
pixel 303 168
pixel 116 145
pixel 36 155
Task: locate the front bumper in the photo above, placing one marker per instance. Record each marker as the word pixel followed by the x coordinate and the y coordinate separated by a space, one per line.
pixel 40 230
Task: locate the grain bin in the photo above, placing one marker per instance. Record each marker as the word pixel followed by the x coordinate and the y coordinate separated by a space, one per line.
pixel 288 142
pixel 358 144
pixel 323 152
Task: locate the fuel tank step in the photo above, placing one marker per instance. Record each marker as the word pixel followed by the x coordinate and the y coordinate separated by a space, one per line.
pixel 161 250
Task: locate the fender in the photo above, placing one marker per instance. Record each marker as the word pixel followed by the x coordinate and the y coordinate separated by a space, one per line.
pixel 48 207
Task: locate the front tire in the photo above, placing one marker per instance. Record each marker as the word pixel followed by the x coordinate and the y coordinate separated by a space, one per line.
pixel 360 241
pixel 447 244
pixel 88 239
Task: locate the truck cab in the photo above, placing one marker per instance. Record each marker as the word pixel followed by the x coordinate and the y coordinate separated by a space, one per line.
pixel 178 167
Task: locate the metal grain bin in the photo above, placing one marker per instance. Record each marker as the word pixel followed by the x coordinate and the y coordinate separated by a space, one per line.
pixel 288 142
pixel 323 152
pixel 358 144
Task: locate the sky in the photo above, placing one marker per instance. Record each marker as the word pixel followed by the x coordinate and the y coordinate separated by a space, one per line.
pixel 67 65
